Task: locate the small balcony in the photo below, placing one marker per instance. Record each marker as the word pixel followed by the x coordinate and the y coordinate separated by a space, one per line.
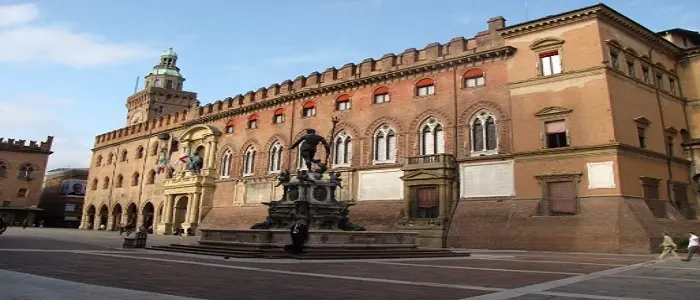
pixel 434 161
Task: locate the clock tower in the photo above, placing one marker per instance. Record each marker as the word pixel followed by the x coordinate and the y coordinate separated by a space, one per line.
pixel 162 94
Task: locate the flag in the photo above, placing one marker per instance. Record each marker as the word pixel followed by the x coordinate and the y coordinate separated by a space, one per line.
pixel 184 158
pixel 162 163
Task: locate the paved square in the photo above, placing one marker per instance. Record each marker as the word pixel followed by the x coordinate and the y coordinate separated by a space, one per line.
pixel 42 263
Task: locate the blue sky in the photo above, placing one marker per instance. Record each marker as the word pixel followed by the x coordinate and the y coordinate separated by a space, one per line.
pixel 67 66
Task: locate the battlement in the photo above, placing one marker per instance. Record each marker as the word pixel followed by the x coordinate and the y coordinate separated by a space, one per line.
pixel 163 123
pixel 21 145
pixel 390 62
pixel 410 58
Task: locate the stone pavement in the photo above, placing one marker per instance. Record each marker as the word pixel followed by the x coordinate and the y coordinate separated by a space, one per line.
pixel 42 263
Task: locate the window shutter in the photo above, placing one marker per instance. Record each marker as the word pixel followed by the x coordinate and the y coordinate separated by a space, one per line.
pixel 348 151
pixel 491 138
pixel 340 151
pixel 381 148
pixel 477 136
pixel 392 148
pixel 556 64
pixel 440 139
pixel 428 142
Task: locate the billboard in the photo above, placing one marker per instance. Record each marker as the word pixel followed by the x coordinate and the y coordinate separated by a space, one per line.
pixel 73 187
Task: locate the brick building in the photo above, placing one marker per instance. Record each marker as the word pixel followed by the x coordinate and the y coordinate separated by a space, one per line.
pixel 62 197
pixel 21 177
pixel 570 132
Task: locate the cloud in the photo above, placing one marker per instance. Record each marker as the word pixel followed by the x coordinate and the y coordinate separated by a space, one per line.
pixel 34 117
pixel 24 40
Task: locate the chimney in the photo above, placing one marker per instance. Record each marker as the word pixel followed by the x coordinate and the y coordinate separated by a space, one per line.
pixel 496 23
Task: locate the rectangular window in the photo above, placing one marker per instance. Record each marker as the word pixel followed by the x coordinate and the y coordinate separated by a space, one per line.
pixel 381 98
pixel 309 112
pixel 660 81
pixel 550 63
pixel 252 124
pixel 342 105
pixel 614 60
pixel 680 199
pixel 474 82
pixel 645 74
pixel 631 71
pixel 650 188
pixel 425 202
pixel 672 85
pixel 168 84
pixel 556 134
pixel 561 197
pixel 669 145
pixel 426 90
pixel 278 119
pixel 641 136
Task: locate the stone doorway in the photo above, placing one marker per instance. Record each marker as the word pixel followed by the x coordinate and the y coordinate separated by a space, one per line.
pixel 180 212
pixel 116 217
pixel 91 217
pixel 147 215
pixel 132 214
pixel 104 217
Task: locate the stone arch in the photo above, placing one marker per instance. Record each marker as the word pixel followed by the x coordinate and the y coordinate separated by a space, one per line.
pixel 350 128
pixel 148 213
pixel 117 213
pixel 223 148
pixel 275 138
pixel 502 126
pixel 242 156
pixel 132 213
pixel 441 115
pixel 615 43
pixel 198 132
pixel 368 139
pixel 631 51
pixel 547 42
pixel 415 129
pixel 250 142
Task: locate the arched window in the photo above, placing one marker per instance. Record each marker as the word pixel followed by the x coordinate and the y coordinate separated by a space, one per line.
pixel 105 183
pixel 253 122
pixel 249 161
pixel 151 177
pixel 226 159
pixel 94 184
pixel 23 193
pixel 432 137
pixel 484 134
pixel 381 95
pixel 342 102
pixel 154 149
pixel 26 171
pixel 474 78
pixel 135 179
pixel 110 158
pixel 124 155
pixel 98 161
pixel 301 163
pixel 275 163
pixel 3 169
pixel 120 180
pixel 278 116
pixel 342 152
pixel 139 152
pixel 385 144
pixel 229 126
pixel 308 110
pixel 425 87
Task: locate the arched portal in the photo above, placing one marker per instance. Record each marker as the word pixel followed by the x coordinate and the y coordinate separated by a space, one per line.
pixel 147 215
pixel 132 214
pixel 180 214
pixel 104 216
pixel 91 216
pixel 116 217
pixel 159 216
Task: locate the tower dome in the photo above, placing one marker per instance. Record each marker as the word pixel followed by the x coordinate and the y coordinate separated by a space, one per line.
pixel 169 53
pixel 166 74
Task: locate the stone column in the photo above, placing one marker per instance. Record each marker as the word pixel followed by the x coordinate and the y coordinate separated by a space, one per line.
pixel 168 209
pixel 190 201
pixel 212 153
pixel 193 207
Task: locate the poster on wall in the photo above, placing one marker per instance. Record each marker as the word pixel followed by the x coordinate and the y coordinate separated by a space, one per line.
pixel 73 187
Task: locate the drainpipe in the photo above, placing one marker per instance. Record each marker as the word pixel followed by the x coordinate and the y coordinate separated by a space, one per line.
pixel 455 149
pixel 663 128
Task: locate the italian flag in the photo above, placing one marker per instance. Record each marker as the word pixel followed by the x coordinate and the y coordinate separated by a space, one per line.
pixel 184 158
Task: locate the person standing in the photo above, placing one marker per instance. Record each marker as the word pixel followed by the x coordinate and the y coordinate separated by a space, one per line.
pixel 693 245
pixel 668 247
pixel 3 226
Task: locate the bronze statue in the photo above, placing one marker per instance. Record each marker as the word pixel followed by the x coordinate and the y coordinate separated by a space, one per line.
pixel 308 151
pixel 194 163
pixel 283 178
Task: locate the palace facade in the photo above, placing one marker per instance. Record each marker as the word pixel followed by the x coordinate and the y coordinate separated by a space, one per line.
pixel 572 132
pixel 22 166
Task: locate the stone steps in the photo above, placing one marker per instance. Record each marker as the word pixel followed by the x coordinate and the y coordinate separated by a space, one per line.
pixel 310 252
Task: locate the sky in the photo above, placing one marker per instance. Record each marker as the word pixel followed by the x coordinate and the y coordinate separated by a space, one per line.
pixel 67 66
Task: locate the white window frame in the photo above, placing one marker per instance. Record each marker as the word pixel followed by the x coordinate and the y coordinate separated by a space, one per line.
pixel 483 116
pixel 381 98
pixel 309 112
pixel 385 130
pixel 275 161
pixel 471 82
pixel 432 125
pixel 426 90
pixel 226 160
pixel 249 162
pixel 550 64
pixel 345 139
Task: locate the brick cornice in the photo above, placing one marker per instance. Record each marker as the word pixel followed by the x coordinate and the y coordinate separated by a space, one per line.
pixel 356 83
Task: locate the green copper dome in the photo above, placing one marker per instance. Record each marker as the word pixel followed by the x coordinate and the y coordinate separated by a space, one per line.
pixel 165 71
pixel 169 52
